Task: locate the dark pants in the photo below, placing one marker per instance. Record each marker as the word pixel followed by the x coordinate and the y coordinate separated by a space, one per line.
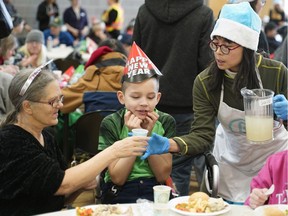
pixel 129 192
pixel 182 165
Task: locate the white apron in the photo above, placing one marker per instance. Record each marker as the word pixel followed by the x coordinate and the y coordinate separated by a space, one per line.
pixel 238 160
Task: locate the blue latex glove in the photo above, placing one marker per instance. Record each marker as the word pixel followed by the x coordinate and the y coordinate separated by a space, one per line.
pixel 156 145
pixel 280 106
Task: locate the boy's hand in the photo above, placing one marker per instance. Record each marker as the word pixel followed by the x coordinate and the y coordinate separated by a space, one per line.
pixel 156 145
pixel 150 121
pixel 132 121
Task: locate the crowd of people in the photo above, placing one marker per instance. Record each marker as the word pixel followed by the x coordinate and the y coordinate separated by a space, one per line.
pixel 180 80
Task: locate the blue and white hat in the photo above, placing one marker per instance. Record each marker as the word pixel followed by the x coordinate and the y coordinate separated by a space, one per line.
pixel 240 24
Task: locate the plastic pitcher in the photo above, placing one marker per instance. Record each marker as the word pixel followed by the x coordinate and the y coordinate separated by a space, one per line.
pixel 258 114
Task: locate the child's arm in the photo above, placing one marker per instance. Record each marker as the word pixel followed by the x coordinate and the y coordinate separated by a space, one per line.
pixel 161 165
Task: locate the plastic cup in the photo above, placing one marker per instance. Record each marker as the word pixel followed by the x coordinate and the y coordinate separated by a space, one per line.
pixel 161 196
pixel 139 132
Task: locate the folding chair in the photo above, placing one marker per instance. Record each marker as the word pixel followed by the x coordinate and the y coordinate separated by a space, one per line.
pixel 87 131
pixel 64 64
pixel 211 174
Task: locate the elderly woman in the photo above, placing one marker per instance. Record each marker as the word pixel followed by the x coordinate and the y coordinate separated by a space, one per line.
pixel 34 50
pixel 34 177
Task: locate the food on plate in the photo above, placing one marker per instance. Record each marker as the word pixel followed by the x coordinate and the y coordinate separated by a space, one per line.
pixel 104 210
pixel 216 204
pixel 273 211
pixel 84 211
pixel 198 195
pixel 200 202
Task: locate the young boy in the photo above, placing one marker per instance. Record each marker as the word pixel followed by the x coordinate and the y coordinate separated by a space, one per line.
pixel 132 178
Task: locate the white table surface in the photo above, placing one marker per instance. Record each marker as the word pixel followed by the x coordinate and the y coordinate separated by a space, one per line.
pixel 146 209
pixel 60 52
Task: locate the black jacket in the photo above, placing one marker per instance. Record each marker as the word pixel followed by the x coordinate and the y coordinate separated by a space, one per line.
pixel 175 34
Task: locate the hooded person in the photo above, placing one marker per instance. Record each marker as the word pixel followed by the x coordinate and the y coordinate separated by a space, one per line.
pixel 103 72
pixel 126 181
pixel 175 36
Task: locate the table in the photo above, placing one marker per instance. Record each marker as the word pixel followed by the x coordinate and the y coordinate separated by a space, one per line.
pixel 146 209
pixel 60 52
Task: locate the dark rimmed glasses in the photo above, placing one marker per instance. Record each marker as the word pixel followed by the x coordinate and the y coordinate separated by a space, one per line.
pixel 224 49
pixel 54 102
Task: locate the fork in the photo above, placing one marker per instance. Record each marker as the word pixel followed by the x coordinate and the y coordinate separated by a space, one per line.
pixel 270 190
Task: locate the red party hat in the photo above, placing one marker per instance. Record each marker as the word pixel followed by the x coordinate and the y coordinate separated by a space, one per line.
pixel 139 67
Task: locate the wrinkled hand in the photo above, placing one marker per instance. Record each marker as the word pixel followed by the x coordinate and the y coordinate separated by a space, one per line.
pixel 156 145
pixel 258 197
pixel 130 146
pixel 280 106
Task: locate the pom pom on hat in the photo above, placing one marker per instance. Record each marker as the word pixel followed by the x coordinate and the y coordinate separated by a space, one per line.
pixel 56 22
pixel 240 24
pixel 35 36
pixel 139 67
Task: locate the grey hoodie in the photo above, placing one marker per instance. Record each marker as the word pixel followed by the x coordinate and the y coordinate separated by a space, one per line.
pixel 175 34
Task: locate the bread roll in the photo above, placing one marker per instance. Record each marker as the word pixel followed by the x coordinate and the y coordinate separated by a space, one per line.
pixel 198 195
pixel 273 211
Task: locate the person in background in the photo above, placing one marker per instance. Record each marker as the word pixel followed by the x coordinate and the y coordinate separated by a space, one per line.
pixel 270 30
pixel 130 27
pixel 257 6
pixel 7 49
pixel 113 17
pixel 34 50
pixel 13 13
pixel 46 12
pixel 97 32
pixel 76 20
pixel 7 52
pixel 216 93
pixel 18 27
pixel 126 40
pixel 277 13
pixel 98 76
pixel 58 36
pixel 131 178
pixel 185 26
pixel 5 103
pixel 42 182
pixel 281 52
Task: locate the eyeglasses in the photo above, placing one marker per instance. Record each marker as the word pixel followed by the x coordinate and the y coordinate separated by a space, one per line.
pixel 224 49
pixel 32 77
pixel 54 102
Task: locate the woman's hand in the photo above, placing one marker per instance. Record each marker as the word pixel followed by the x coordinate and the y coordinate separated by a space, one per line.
pixel 130 146
pixel 258 197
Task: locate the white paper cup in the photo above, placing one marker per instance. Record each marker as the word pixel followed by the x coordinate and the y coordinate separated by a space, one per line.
pixel 139 132
pixel 161 194
pixel 161 198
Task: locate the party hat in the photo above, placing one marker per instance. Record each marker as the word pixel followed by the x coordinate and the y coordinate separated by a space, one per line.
pixel 139 67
